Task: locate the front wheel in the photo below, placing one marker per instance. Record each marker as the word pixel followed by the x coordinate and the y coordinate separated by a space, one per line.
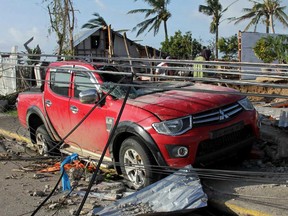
pixel 44 144
pixel 136 163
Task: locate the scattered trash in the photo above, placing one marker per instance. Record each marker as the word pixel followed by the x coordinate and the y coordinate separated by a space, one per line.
pixel 280 104
pixel 38 176
pixel 54 206
pixel 75 164
pixel 65 178
pixel 39 193
pixel 102 196
pixel 283 120
pixel 273 113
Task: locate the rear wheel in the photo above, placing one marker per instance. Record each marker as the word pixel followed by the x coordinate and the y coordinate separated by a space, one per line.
pixel 136 162
pixel 44 143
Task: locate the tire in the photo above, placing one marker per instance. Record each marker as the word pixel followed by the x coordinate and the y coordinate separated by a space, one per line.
pixel 131 153
pixel 44 143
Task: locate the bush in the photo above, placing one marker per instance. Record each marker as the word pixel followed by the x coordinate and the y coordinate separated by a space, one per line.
pixel 264 49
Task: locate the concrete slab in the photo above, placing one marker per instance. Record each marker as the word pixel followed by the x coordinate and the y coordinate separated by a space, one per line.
pixel 247 198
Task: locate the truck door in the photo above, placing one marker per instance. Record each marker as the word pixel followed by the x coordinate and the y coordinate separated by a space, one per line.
pixel 92 134
pixel 56 99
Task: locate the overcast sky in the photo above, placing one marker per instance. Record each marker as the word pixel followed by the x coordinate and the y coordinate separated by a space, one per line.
pixel 22 19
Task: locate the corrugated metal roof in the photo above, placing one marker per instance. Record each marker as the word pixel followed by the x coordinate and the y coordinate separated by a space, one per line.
pixel 81 36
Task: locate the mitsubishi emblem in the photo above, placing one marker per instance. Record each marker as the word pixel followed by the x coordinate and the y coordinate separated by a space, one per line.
pixel 222 115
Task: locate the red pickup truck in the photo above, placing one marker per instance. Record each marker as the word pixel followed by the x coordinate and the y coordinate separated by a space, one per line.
pixel 166 124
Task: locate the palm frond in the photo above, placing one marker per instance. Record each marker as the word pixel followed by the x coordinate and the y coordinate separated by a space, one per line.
pixel 138 11
pixel 153 16
pixel 98 21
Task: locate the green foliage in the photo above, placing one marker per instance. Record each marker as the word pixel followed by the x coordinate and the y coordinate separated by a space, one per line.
pixel 181 46
pixel 280 44
pixel 266 49
pixel 214 9
pixel 229 47
pixel 264 12
pixel 98 21
pixel 154 17
pixel 34 55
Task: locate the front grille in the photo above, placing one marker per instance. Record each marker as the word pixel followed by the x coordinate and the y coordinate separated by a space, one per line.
pixel 210 146
pixel 216 115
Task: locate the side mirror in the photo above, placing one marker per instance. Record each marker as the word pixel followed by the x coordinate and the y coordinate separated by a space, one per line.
pixel 89 96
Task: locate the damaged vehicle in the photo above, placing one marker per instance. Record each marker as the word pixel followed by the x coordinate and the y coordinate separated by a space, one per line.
pixel 166 124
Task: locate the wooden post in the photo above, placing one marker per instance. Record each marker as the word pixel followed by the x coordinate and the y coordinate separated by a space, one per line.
pixel 127 51
pixel 151 63
pixel 110 50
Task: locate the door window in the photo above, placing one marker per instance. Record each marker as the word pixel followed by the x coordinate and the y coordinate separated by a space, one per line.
pixel 83 81
pixel 60 81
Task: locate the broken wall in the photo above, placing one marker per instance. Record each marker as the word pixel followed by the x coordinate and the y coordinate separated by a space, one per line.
pixel 8 80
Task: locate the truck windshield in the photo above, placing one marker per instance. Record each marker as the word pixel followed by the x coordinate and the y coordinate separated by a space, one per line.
pixel 139 88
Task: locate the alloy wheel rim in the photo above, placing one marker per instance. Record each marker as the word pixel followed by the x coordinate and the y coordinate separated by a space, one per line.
pixel 134 167
pixel 41 145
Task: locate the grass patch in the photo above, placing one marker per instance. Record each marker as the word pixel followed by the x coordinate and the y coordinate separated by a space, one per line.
pixel 13 113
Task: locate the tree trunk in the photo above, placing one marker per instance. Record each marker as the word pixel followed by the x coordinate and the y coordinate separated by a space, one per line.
pixel 71 27
pixel 267 25
pixel 216 42
pixel 271 22
pixel 165 30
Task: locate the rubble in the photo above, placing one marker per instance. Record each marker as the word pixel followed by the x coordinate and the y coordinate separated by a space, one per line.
pixel 269 155
pixel 39 193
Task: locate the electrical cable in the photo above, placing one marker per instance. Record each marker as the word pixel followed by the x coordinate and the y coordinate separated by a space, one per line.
pixel 204 173
pixel 221 176
pixel 84 118
pixel 104 150
pixel 169 170
pixel 47 198
pixel 61 142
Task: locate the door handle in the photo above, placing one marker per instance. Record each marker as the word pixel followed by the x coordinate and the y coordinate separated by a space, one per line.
pixel 74 109
pixel 48 103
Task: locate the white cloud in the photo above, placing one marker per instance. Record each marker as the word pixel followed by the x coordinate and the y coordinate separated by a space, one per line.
pixel 22 36
pixel 100 4
pixel 18 36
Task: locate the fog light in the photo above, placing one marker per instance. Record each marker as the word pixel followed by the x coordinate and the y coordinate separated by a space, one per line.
pixel 176 151
pixel 182 151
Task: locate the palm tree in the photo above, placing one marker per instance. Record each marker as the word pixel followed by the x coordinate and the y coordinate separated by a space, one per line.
pixel 160 14
pixel 264 11
pixel 98 21
pixel 214 9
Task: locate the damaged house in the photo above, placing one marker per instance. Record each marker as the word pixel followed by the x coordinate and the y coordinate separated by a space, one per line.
pixel 104 42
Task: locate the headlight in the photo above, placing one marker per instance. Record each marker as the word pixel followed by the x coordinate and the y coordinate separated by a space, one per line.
pixel 246 104
pixel 174 127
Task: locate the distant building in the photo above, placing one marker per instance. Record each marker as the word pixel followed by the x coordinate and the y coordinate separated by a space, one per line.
pixel 95 43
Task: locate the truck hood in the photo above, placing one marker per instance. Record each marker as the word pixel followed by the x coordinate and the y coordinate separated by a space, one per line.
pixel 178 103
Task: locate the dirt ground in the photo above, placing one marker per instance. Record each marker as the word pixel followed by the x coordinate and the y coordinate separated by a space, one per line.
pixel 24 186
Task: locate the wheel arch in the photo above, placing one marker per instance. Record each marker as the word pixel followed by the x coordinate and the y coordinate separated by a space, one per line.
pixel 127 129
pixel 34 119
